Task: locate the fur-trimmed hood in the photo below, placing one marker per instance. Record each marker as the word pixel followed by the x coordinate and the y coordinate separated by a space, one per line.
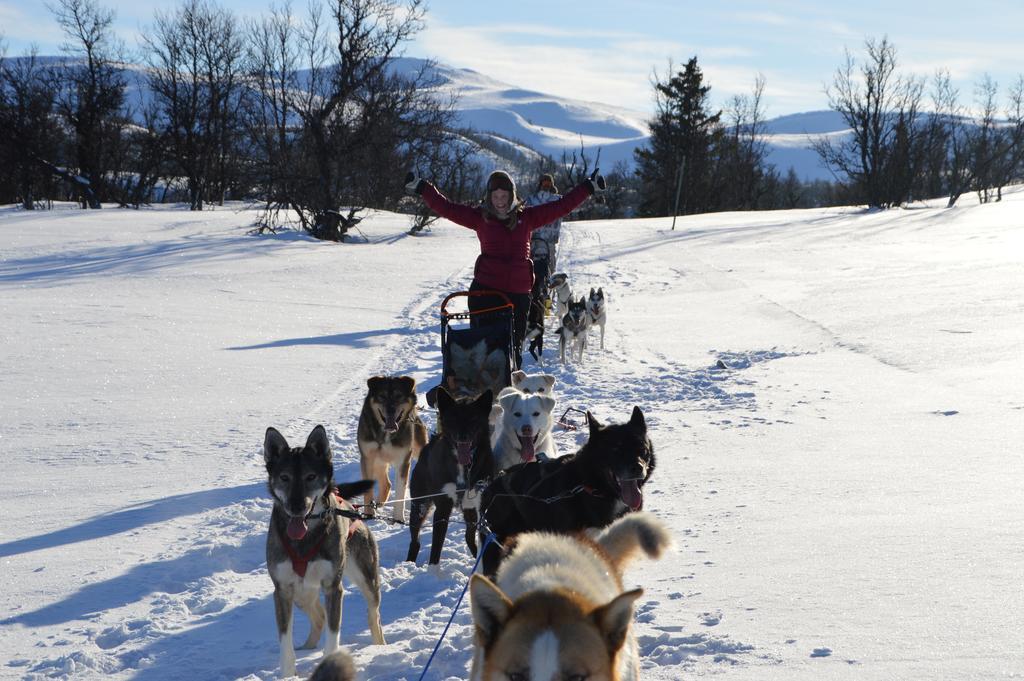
pixel 499 179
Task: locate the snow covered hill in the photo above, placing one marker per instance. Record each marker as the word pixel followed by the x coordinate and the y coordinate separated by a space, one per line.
pixel 531 123
pixel 844 493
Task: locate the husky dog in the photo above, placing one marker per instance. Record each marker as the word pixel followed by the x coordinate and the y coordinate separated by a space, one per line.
pixel 465 368
pixel 310 545
pixel 456 460
pixel 558 608
pixel 390 434
pixel 597 313
pixel 533 384
pixel 337 666
pixel 524 430
pixel 522 382
pixel 609 471
pixel 572 334
pixel 474 369
pixel 559 285
pixel 493 371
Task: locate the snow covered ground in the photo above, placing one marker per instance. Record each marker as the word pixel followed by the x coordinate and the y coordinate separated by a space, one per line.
pixel 846 495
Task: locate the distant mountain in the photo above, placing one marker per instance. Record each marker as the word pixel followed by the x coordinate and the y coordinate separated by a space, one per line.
pixel 551 124
pixel 527 122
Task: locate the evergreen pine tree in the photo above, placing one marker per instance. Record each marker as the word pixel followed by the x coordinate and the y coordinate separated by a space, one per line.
pixel 683 136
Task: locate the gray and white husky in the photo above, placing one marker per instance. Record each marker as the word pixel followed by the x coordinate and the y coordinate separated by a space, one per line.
pixel 310 544
pixel 597 312
pixel 572 335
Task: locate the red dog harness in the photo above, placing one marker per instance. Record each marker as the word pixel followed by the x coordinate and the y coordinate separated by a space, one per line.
pixel 300 562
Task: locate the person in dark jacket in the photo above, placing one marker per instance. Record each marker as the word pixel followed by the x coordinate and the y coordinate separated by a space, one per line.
pixel 503 224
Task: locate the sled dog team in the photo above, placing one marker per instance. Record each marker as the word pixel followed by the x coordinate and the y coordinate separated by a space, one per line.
pixel 575 318
pixel 556 531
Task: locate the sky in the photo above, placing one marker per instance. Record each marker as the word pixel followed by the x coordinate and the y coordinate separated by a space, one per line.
pixel 609 51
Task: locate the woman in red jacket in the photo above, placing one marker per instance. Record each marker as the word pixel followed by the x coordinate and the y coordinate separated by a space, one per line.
pixel 503 225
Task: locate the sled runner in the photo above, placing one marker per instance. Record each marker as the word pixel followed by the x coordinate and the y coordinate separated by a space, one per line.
pixel 476 347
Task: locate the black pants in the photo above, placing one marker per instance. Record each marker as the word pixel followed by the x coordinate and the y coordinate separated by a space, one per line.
pixel 521 302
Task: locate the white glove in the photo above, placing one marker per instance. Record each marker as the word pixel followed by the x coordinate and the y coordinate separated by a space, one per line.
pixel 413 183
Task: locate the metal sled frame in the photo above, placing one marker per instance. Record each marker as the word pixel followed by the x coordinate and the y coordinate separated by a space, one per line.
pixel 493 325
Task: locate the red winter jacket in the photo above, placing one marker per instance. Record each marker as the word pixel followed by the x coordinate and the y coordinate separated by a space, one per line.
pixel 504 262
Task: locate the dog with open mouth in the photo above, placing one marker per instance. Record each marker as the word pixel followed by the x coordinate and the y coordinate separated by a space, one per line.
pixel 454 463
pixel 588 489
pixel 390 435
pixel 313 540
pixel 524 428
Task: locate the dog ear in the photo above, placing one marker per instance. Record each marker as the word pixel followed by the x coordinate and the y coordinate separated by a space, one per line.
pixel 549 379
pixel 547 403
pixel 319 443
pixel 508 399
pixel 445 401
pixel 485 401
pixel 517 376
pixel 593 423
pixel 592 292
pixel 408 384
pixel 490 609
pixel 613 619
pixel 274 445
pixel 637 419
pixel 373 381
pixel 600 291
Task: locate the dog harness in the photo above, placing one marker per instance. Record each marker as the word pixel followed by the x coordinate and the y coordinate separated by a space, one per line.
pixel 300 562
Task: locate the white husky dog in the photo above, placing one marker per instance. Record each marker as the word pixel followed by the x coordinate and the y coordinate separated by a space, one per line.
pixel 597 312
pixel 531 384
pixel 524 430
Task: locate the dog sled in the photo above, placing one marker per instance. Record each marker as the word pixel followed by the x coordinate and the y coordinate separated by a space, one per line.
pixel 476 346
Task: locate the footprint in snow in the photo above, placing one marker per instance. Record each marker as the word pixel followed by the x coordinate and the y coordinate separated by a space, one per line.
pixel 710 619
pixel 821 652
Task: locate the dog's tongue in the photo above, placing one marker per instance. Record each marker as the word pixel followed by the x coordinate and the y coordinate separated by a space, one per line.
pixel 297 528
pixel 464 450
pixel 631 495
pixel 528 453
pixel 391 422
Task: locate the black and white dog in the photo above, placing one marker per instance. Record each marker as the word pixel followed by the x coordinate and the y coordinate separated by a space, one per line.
pixel 597 312
pixel 607 476
pixel 572 335
pixel 456 459
pixel 312 542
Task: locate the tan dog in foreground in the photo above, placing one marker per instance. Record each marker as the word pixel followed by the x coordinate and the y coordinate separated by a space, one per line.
pixel 558 609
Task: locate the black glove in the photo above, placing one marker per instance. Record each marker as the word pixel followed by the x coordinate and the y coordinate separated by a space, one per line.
pixel 413 183
pixel 597 183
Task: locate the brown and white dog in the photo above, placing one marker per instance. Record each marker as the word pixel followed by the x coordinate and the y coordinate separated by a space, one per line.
pixel 390 434
pixel 557 609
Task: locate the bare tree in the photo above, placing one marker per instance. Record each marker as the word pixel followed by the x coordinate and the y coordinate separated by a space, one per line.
pixel 986 141
pixel 90 88
pixel 195 54
pixel 338 122
pixel 1009 157
pixel 30 133
pixel 742 167
pixel 880 106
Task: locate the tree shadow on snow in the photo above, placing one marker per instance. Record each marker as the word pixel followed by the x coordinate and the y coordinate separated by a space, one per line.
pixel 356 339
pixel 126 259
pixel 141 515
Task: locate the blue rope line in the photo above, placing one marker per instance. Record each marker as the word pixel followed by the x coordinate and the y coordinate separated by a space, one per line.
pixel 480 554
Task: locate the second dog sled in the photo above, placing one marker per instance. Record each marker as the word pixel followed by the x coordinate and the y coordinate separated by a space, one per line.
pixel 476 346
